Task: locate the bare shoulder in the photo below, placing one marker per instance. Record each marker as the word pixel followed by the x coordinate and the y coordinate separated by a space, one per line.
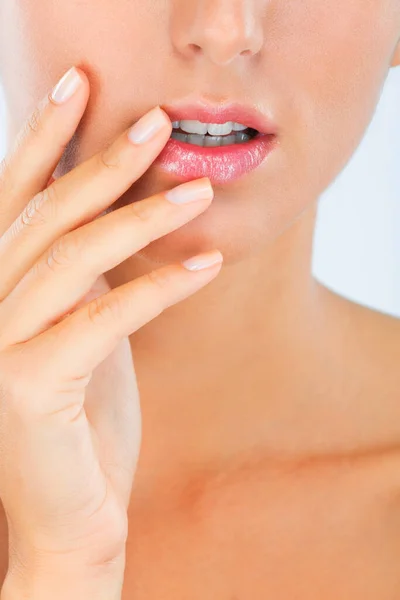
pixel 378 331
pixel 371 344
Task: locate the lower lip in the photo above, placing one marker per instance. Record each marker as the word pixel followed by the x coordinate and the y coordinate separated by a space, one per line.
pixel 222 164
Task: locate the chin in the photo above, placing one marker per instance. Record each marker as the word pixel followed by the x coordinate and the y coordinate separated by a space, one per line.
pixel 210 230
pixel 238 226
pixel 244 218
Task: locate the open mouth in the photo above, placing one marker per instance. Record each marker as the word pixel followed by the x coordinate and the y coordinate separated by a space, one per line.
pixel 221 141
pixel 212 135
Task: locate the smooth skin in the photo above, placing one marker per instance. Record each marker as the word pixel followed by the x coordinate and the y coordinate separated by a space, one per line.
pixel 75 460
pixel 269 464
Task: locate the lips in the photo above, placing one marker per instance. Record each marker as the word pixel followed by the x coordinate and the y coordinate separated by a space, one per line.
pixel 223 164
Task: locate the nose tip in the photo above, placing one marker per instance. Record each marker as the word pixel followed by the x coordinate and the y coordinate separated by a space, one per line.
pixel 218 31
pixel 222 48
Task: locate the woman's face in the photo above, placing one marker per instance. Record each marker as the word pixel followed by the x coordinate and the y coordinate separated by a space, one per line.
pixel 315 67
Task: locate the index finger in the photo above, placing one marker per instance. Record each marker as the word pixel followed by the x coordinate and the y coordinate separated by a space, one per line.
pixel 40 143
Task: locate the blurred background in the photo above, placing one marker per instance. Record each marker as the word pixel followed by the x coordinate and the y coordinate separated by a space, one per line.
pixel 357 238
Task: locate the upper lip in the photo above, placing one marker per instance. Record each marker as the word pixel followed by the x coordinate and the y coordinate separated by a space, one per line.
pixel 221 113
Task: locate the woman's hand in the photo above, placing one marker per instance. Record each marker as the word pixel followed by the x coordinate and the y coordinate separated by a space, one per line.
pixel 69 410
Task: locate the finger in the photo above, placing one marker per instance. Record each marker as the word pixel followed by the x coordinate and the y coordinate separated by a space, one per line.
pixel 40 144
pixel 69 269
pixel 75 346
pixel 80 195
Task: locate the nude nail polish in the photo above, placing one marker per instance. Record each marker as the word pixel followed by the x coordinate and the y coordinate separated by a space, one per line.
pixel 66 87
pixel 148 126
pixel 203 261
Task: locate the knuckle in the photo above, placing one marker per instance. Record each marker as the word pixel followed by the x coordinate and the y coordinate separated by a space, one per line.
pixel 65 251
pixel 51 200
pixel 159 278
pixel 41 209
pixel 160 281
pixel 141 212
pixel 33 213
pixel 107 160
pixel 105 309
pixel 34 121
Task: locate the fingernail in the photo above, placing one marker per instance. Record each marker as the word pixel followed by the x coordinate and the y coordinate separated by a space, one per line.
pixel 190 192
pixel 203 261
pixel 66 87
pixel 148 126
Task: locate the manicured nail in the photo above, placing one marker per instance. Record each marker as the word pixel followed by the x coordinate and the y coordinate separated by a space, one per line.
pixel 203 261
pixel 66 87
pixel 148 126
pixel 199 189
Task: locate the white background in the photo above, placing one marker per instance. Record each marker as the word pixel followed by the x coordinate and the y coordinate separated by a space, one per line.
pixel 357 239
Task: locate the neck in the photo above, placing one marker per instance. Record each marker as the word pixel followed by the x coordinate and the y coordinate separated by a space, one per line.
pixel 214 364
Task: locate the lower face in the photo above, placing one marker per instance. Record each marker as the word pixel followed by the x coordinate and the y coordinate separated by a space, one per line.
pixel 316 69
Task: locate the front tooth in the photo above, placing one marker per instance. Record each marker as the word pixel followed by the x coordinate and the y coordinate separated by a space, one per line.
pixel 194 127
pixel 239 127
pixel 220 128
pixel 175 124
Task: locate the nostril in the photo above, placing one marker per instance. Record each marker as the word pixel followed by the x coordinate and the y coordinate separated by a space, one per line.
pixel 196 48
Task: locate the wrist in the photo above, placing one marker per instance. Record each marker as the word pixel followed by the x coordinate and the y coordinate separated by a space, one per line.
pixel 59 580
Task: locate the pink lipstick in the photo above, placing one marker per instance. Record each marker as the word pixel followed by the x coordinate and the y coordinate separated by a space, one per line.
pixel 199 148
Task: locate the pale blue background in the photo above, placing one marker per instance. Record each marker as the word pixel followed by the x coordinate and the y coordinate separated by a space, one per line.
pixel 357 240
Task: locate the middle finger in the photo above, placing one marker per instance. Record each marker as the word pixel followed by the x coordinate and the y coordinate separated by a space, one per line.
pixel 68 270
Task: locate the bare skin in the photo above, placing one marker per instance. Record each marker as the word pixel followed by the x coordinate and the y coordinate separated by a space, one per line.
pixel 270 463
pixel 280 482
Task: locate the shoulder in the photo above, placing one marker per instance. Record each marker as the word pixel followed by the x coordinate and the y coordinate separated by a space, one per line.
pixel 377 337
pixel 371 346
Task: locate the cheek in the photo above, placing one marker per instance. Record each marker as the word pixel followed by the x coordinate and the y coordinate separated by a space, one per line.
pixel 336 58
pixel 106 38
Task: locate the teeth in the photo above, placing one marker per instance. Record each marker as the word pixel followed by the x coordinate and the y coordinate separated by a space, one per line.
pixel 181 137
pixel 217 129
pixel 228 139
pixel 214 129
pixel 242 137
pixel 211 142
pixel 238 127
pixel 194 127
pixel 225 140
pixel 197 140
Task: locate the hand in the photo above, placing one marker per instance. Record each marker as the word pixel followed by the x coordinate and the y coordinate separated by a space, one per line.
pixel 69 418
